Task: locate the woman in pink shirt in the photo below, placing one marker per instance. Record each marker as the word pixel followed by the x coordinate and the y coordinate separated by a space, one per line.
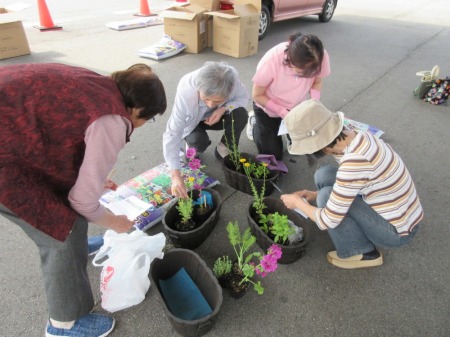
pixel 284 77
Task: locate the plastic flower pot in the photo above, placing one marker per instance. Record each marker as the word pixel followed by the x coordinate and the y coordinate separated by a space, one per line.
pixel 290 253
pixel 201 275
pixel 239 180
pixel 195 237
pixel 235 287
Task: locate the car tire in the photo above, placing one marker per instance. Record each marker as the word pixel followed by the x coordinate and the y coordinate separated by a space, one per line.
pixel 264 22
pixel 328 10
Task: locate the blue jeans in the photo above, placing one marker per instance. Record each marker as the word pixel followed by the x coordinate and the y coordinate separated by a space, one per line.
pixel 362 228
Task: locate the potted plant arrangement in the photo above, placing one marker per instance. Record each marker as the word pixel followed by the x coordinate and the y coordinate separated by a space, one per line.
pixel 235 175
pixel 222 270
pixel 274 224
pixel 190 220
pixel 248 265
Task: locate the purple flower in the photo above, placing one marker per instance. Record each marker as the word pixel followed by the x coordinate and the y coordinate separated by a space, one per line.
pixel 198 187
pixel 275 251
pixel 260 271
pixel 269 263
pixel 195 164
pixel 191 152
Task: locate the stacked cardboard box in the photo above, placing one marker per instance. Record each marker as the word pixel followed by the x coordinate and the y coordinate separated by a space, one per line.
pixel 202 24
pixel 187 24
pixel 209 5
pixel 235 32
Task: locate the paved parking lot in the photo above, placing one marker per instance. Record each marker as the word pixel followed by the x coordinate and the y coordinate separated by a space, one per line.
pixel 375 49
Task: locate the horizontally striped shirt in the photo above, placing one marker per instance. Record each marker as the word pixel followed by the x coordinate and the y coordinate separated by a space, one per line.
pixel 370 168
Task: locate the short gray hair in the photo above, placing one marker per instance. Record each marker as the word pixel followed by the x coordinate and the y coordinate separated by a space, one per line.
pixel 216 79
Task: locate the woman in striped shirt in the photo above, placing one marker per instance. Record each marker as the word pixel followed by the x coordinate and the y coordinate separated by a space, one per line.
pixel 369 200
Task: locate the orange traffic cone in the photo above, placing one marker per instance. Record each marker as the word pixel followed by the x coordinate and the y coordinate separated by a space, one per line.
pixel 144 9
pixel 45 19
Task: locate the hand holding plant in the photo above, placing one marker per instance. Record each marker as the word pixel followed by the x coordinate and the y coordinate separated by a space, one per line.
pixel 185 206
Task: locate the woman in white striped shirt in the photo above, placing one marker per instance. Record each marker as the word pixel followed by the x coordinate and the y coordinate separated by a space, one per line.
pixel 369 200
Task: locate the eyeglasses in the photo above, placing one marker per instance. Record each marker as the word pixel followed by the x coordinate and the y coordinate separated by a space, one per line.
pixel 151 120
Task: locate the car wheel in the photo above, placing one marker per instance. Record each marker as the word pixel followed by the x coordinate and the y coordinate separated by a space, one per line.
pixel 264 22
pixel 328 11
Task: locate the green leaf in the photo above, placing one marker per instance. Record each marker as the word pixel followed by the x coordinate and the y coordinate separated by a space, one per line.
pixel 258 287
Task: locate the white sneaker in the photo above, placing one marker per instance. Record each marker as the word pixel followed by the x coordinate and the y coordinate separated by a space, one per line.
pixel 251 122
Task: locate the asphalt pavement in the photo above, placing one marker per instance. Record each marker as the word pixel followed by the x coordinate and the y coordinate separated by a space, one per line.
pixel 375 48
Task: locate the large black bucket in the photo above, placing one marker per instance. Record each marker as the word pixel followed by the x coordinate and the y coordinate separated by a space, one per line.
pixel 201 275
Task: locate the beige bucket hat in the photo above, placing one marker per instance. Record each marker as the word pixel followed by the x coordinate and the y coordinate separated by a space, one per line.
pixel 312 127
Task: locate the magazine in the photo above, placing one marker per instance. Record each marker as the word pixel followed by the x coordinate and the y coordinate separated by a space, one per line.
pixel 146 197
pixel 358 126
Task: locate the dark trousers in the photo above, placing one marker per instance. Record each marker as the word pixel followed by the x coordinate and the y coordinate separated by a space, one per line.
pixel 63 265
pixel 231 122
pixel 265 134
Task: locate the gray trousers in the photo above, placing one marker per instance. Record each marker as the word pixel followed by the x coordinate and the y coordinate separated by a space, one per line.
pixel 63 265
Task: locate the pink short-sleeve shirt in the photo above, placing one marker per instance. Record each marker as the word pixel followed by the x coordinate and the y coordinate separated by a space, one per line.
pixel 283 85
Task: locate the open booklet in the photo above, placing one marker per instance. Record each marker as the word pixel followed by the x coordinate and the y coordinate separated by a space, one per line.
pixel 348 123
pixel 146 197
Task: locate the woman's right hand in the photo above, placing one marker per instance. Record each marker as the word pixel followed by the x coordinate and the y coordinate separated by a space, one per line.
pixel 118 223
pixel 178 187
pixel 308 195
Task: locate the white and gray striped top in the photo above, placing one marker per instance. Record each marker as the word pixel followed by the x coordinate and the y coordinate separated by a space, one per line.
pixel 371 168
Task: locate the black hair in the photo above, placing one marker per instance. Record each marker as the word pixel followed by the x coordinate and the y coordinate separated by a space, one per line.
pixel 141 88
pixel 320 153
pixel 304 52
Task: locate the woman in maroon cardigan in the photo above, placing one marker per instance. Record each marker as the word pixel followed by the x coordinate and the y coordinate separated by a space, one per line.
pixel 61 130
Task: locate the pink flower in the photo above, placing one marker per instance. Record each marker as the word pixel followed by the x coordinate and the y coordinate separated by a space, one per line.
pixel 260 271
pixel 191 152
pixel 195 164
pixel 198 188
pixel 269 263
pixel 275 251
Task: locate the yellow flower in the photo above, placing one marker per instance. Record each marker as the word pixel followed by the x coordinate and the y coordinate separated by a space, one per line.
pixel 264 164
pixel 242 160
pixel 247 164
pixel 191 179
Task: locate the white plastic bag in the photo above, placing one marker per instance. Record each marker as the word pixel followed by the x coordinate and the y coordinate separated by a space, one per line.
pixel 126 260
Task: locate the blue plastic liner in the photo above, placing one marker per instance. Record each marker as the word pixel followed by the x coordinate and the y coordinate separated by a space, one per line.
pixel 183 298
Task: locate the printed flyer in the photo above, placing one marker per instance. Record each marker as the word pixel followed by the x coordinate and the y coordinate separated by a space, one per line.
pixel 146 197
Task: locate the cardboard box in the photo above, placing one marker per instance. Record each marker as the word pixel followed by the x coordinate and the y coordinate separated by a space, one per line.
pixel 13 41
pixel 235 32
pixel 187 24
pixel 209 5
pixel 209 31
